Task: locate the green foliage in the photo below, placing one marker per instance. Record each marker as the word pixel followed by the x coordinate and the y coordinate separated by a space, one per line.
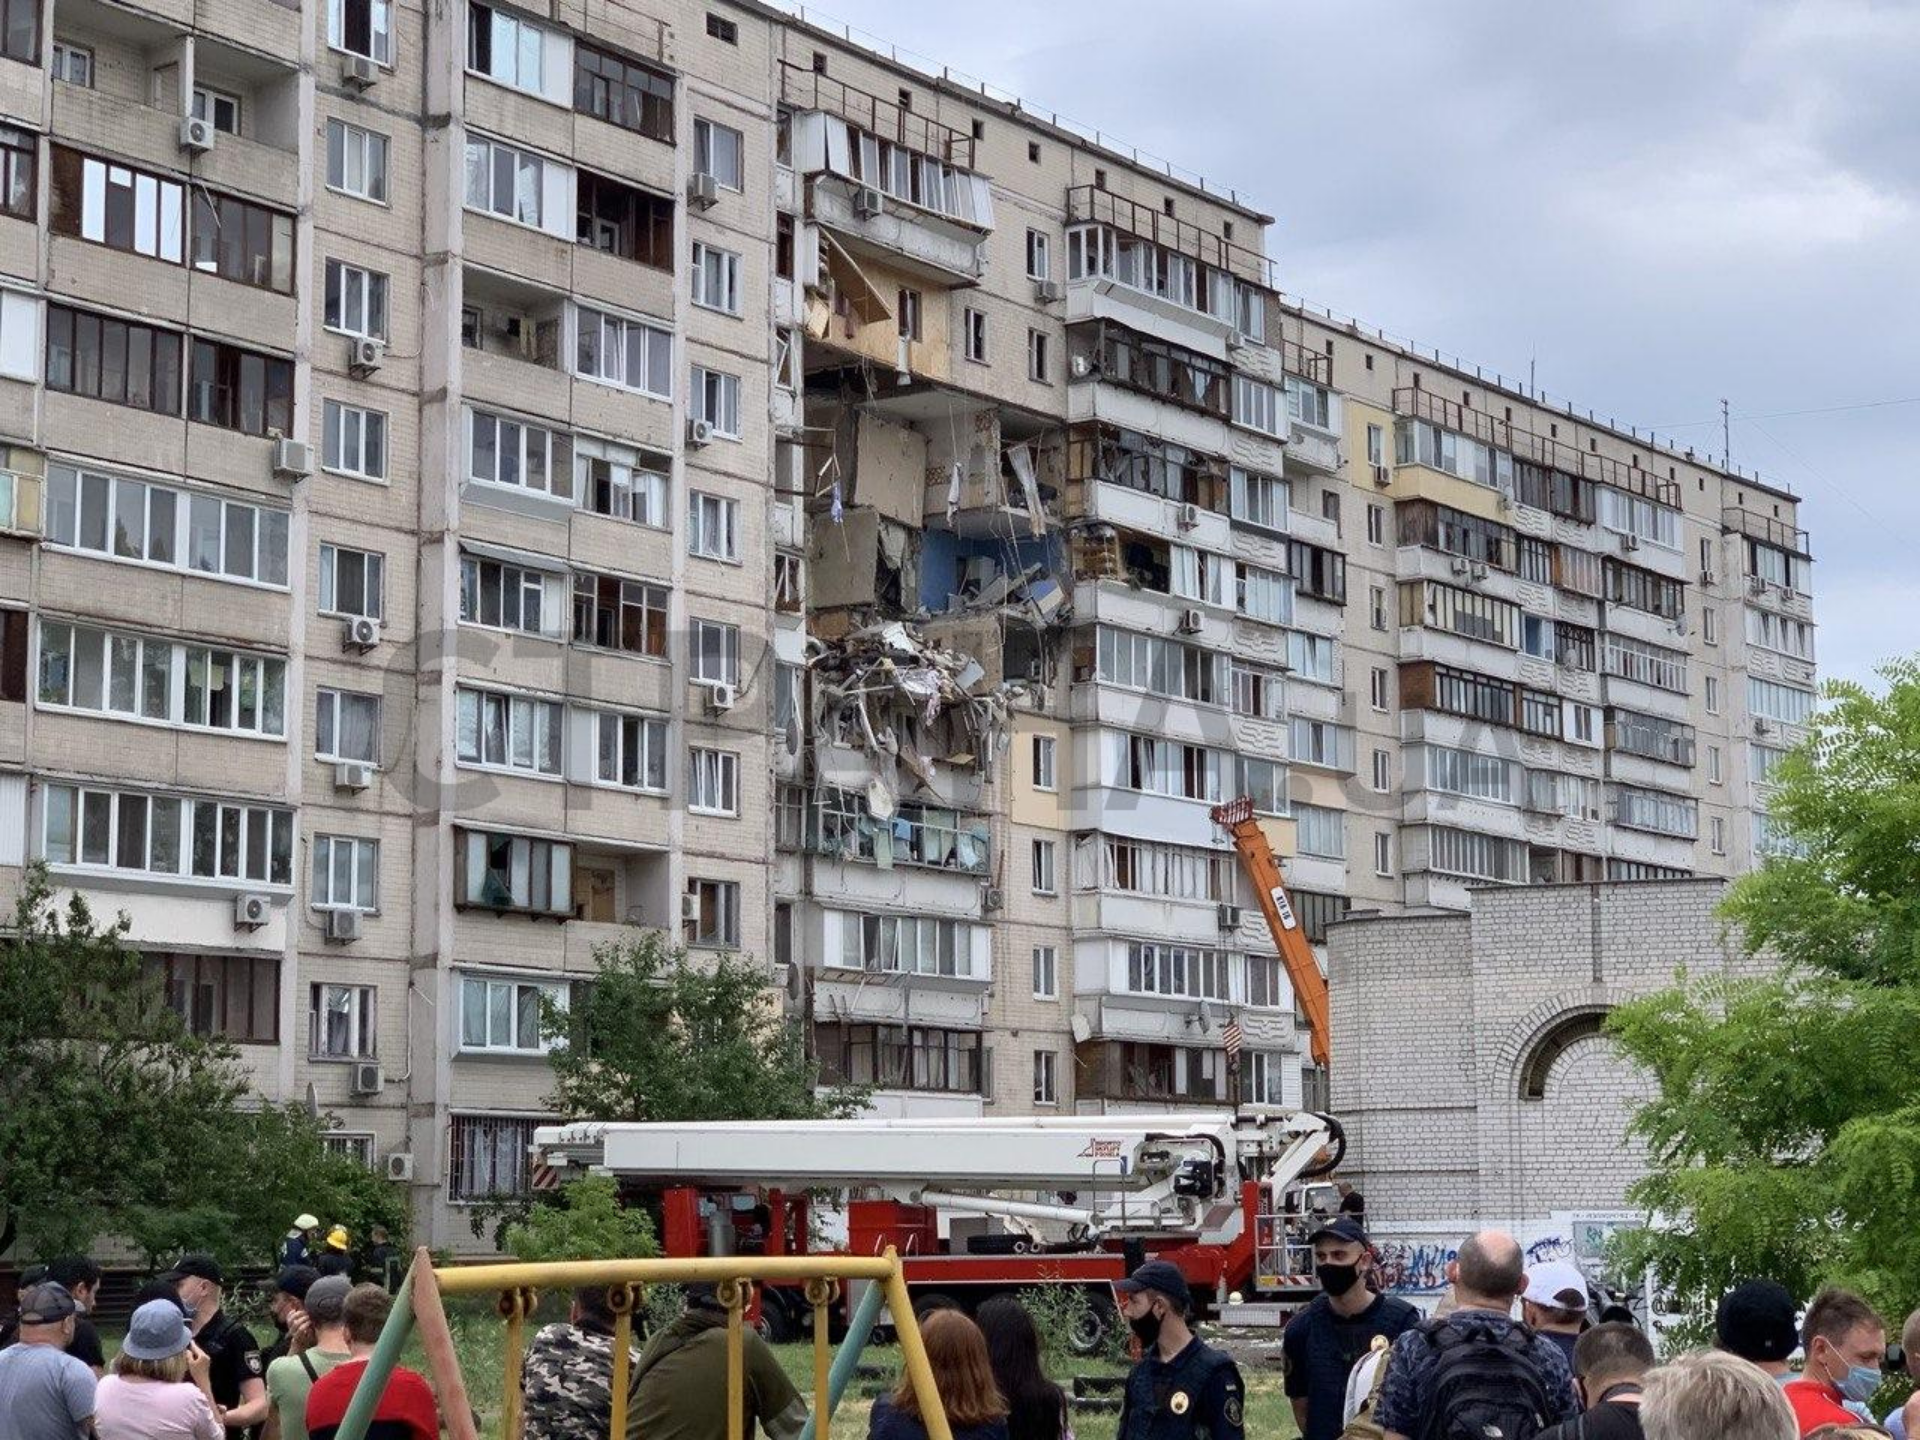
pixel 660 1036
pixel 1784 1133
pixel 585 1222
pixel 1064 1315
pixel 116 1121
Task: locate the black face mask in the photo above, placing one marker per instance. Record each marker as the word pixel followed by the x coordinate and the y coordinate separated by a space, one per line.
pixel 1146 1327
pixel 1337 1279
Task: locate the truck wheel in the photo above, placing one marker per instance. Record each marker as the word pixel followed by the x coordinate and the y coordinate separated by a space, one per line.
pixel 1089 1334
pixel 777 1325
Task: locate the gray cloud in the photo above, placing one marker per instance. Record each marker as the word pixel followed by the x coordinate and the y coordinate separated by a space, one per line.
pixel 1661 203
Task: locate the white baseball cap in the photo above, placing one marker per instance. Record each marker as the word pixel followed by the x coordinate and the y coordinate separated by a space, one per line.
pixel 1558 1283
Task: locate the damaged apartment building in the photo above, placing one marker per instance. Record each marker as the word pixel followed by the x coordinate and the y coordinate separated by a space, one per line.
pixel 480 482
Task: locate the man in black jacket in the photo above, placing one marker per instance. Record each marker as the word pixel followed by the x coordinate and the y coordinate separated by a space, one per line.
pixel 1609 1362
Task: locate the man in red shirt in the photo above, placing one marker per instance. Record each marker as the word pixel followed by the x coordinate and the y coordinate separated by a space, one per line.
pixel 406 1410
pixel 1845 1343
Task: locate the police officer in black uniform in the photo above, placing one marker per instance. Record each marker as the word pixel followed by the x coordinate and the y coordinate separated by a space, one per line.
pixel 237 1377
pixel 1183 1388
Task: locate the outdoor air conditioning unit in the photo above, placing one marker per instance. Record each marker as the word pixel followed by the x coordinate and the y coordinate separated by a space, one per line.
pixel 992 898
pixel 1188 517
pixel 1229 917
pixel 1478 571
pixel 1757 584
pixel 1629 543
pixel 868 202
pixel 292 459
pixel 1190 621
pixel 1761 726
pixel 720 699
pixel 703 190
pixel 1503 501
pixel 367 1079
pixel 400 1165
pixel 1462 566
pixel 196 135
pixel 699 432
pixel 352 775
pixel 1047 291
pixel 251 911
pixel 364 354
pixel 358 71
pixel 690 908
pixel 361 632
pixel 1708 578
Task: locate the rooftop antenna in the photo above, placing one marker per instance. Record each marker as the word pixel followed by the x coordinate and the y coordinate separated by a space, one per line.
pixel 1726 436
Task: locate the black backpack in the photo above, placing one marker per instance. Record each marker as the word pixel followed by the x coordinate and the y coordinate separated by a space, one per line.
pixel 1483 1386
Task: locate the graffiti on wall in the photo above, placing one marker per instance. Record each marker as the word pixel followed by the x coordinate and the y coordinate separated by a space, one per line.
pixel 1417 1265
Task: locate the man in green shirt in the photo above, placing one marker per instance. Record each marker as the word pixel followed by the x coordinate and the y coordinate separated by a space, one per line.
pixel 682 1389
pixel 315 1352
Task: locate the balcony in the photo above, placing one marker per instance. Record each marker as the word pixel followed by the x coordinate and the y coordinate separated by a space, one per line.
pixel 1145 483
pixel 1135 382
pixel 841 826
pixel 513 337
pixel 1146 1073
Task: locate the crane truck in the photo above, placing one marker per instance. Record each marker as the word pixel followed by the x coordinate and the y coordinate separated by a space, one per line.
pixel 979 1207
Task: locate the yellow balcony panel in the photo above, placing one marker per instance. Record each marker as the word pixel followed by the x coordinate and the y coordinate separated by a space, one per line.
pixel 1423 482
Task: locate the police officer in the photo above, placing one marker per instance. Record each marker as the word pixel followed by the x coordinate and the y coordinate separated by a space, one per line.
pixel 1182 1389
pixel 237 1377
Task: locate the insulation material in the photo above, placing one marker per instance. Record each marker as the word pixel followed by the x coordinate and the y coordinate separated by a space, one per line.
pixel 854 292
pixel 970 441
pixel 1021 458
pixel 889 468
pixel 843 560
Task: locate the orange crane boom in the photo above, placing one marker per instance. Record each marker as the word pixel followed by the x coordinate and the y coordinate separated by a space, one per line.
pixel 1263 869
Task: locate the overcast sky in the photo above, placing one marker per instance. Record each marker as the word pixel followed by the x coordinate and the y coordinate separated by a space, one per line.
pixel 1659 203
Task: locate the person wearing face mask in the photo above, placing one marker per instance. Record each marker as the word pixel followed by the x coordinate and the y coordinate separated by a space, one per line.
pixel 1183 1388
pixel 1609 1363
pixel 1844 1343
pixel 1326 1340
pixel 237 1376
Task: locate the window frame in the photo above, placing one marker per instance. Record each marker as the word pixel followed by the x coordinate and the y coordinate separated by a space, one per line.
pixel 704 154
pixel 712 770
pixel 371 143
pixel 373 581
pixel 363 1031
pixel 334 427
pixel 710 516
pixel 360 871
pixel 331 727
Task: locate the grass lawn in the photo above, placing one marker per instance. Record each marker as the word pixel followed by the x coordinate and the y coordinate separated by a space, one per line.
pixel 477 1338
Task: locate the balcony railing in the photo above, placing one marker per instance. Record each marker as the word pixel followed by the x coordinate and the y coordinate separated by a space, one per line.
pixel 1312 365
pixel 1088 204
pixel 938 840
pixel 1768 531
pixel 1524 444
pixel 804 88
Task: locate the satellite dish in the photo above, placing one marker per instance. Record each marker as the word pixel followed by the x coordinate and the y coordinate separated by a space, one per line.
pixel 1082 1031
pixel 879 799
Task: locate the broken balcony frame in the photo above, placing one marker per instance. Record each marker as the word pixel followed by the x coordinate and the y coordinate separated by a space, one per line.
pixel 1127 358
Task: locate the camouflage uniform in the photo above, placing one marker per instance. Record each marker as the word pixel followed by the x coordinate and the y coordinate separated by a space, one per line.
pixel 567 1384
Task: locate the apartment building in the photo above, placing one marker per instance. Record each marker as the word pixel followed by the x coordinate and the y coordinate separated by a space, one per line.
pixel 483 482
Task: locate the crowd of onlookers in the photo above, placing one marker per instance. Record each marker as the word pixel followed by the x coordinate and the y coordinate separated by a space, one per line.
pixel 1511 1352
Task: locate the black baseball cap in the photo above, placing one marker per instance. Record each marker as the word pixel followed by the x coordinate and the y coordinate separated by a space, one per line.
pixel 294 1280
pixel 200 1265
pixel 1756 1321
pixel 47 1303
pixel 1342 1227
pixel 1162 1276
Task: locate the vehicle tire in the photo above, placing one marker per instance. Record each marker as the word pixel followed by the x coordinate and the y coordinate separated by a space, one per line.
pixel 777 1325
pixel 1089 1337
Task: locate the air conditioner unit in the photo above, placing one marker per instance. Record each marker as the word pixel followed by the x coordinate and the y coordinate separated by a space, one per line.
pixel 1708 578
pixel 720 699
pixel 868 202
pixel 1239 340
pixel 703 190
pixel 699 432
pixel 1189 624
pixel 1188 517
pixel 1757 584
pixel 1503 501
pixel 364 354
pixel 343 925
pixel 400 1165
pixel 992 898
pixel 196 135
pixel 1229 917
pixel 251 911
pixel 352 775
pixel 1462 567
pixel 1047 291
pixel 1761 726
pixel 1478 571
pixel 1382 476
pixel 358 71
pixel 690 908
pixel 367 1079
pixel 1080 367
pixel 292 460
pixel 1629 543
pixel 361 632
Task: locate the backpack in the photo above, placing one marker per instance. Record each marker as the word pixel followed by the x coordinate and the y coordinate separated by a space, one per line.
pixel 1482 1386
pixel 1363 1426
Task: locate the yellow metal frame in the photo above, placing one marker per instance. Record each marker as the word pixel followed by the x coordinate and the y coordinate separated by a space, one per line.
pixel 417 1305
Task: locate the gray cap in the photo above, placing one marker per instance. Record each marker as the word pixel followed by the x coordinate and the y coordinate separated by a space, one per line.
pixel 158 1331
pixel 45 1304
pixel 326 1302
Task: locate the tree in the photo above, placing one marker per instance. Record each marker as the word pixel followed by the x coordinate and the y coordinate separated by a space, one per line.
pixel 117 1121
pixel 1784 1133
pixel 659 1036
pixel 587 1223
